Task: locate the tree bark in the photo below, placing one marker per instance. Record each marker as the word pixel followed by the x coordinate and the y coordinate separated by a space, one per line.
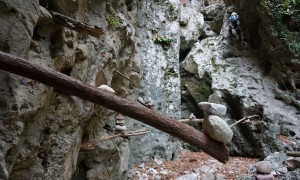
pixel 75 25
pixel 131 109
pixel 293 153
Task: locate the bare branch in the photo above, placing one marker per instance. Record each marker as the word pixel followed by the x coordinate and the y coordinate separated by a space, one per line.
pixel 293 153
pixel 92 144
pixel 123 76
pixel 244 119
pixel 190 120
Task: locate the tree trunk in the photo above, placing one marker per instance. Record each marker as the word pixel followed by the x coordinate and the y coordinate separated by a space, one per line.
pixel 134 110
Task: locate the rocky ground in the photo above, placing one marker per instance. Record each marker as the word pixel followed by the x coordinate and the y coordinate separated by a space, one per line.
pixel 192 165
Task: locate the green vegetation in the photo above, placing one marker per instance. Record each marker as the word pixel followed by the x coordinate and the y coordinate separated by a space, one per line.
pixel 294 47
pixel 162 39
pixel 113 20
pixel 285 16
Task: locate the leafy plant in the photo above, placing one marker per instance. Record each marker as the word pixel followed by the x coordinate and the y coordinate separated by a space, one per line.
pixel 162 39
pixel 113 20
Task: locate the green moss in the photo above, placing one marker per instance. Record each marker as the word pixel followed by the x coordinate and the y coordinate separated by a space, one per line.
pixel 113 20
pixel 285 15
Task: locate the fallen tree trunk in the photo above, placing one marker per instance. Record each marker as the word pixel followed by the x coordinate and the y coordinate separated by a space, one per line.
pixel 74 87
pixel 75 25
pixel 293 153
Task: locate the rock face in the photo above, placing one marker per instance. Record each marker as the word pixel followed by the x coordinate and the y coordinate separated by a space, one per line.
pixel 161 81
pixel 217 62
pixel 41 130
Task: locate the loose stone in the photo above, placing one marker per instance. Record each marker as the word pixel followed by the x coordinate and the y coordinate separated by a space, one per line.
pixel 213 108
pixel 263 167
pixel 265 177
pixel 217 129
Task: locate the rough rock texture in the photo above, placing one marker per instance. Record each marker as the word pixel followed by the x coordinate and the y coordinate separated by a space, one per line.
pixel 161 81
pixel 42 129
pixel 219 62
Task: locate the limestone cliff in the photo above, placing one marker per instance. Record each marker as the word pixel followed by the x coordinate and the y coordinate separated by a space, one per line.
pixel 176 52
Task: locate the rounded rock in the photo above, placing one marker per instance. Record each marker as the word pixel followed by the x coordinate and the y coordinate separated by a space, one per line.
pixel 263 167
pixel 217 129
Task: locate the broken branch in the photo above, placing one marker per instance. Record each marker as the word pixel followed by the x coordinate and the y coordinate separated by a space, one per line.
pixel 75 25
pixel 124 76
pixel 74 87
pixel 190 120
pixel 293 153
pixel 92 144
pixel 244 119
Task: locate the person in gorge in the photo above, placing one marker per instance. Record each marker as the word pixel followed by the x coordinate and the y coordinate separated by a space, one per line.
pixel 235 24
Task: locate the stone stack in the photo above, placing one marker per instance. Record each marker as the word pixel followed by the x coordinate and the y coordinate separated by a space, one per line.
pixel 149 103
pixel 120 124
pixel 213 125
pixel 263 171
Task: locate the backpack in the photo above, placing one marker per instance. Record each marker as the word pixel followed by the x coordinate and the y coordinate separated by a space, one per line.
pixel 234 19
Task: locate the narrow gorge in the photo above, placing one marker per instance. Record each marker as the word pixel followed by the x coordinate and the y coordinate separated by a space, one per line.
pixel 171 55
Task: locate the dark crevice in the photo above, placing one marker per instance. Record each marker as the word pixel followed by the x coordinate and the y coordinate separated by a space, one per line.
pixel 81 171
pixel 285 86
pixel 129 4
pixel 202 36
pixel 183 54
pixel 234 105
pixel 67 71
pixel 192 104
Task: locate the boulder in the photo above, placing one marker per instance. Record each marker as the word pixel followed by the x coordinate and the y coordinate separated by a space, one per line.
pixel 217 129
pixel 213 108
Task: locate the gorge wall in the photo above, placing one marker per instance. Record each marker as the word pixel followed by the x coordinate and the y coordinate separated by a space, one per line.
pixel 176 52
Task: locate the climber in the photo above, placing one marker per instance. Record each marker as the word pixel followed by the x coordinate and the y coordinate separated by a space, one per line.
pixel 235 24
